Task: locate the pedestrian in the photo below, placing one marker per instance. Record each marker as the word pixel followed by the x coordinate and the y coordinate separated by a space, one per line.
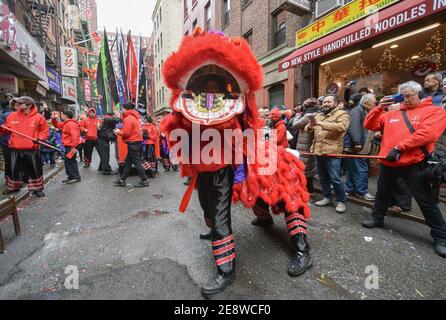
pixel 405 156
pixel 433 88
pixel 48 154
pixel 278 124
pixel 165 155
pixel 89 127
pixel 4 141
pixel 354 142
pixel 7 99
pixel 132 136
pixel 25 152
pixel 329 127
pixel 71 140
pixel 149 134
pixel 305 139
pixel 105 137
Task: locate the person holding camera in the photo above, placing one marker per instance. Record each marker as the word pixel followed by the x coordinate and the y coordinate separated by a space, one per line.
pixel 405 157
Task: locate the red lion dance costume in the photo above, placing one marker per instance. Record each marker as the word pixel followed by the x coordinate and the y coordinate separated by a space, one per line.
pixel 213 79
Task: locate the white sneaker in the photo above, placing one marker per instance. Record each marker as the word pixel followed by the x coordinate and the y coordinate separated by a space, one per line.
pixel 367 197
pixel 340 207
pixel 324 202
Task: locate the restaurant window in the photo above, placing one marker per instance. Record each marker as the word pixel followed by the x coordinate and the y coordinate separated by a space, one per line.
pixel 226 10
pixel 276 95
pixel 207 16
pixel 387 63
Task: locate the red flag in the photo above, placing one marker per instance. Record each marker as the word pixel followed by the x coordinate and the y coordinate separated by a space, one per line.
pixel 132 68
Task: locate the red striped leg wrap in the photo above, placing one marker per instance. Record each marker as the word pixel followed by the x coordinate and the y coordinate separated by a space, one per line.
pixel 224 250
pixel 296 223
pixel 13 185
pixel 35 184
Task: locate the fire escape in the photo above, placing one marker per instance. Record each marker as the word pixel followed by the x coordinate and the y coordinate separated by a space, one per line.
pixel 41 13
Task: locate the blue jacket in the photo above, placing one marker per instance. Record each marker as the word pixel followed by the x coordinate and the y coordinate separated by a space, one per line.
pixel 52 140
pixel 437 96
pixel 4 138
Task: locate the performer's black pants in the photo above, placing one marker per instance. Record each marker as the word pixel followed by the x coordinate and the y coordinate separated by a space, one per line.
pixel 89 146
pixel 424 195
pixel 133 157
pixel 215 195
pixel 149 157
pixel 71 167
pixel 30 161
pixel 104 154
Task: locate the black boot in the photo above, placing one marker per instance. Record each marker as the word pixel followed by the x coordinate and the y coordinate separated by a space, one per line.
pixel 302 260
pixel 219 283
pixel 39 194
pixel 262 223
pixel 120 183
pixel 205 236
pixel 142 184
pixel 373 222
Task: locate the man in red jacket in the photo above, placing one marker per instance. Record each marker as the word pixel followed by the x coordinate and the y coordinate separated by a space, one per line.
pixel 150 135
pixel 405 156
pixel 25 153
pixel 70 140
pixel 132 136
pixel 279 124
pixel 89 126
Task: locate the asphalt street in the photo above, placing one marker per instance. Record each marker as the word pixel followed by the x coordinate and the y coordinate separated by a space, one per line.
pixel 132 243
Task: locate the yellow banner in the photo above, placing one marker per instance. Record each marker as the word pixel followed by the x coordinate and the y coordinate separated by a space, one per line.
pixel 340 18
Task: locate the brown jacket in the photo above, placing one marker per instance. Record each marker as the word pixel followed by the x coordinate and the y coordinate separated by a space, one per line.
pixel 329 137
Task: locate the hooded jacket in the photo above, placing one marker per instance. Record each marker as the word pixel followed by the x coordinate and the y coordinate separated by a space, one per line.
pixel 429 122
pixel 151 131
pixel 71 135
pixel 132 131
pixel 90 126
pixel 32 124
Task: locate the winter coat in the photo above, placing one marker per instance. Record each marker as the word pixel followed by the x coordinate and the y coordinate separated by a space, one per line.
pixel 106 129
pixel 429 122
pixel 32 124
pixel 281 133
pixel 150 131
pixel 304 142
pixel 4 139
pixel 437 96
pixel 329 136
pixel 52 140
pixel 90 127
pixel 71 135
pixel 132 131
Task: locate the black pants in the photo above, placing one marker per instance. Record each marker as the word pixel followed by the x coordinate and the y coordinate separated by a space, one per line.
pixel 402 197
pixel 133 157
pixel 104 154
pixel 89 146
pixel 71 167
pixel 149 158
pixel 30 162
pixel 215 195
pixel 7 156
pixel 424 195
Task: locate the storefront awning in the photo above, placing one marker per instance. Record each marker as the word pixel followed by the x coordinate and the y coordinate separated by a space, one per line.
pixel 398 15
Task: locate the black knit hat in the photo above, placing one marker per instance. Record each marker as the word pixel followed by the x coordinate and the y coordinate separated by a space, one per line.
pixel 128 106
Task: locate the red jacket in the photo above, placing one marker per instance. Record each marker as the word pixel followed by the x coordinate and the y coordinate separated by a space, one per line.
pixel 71 134
pixel 428 120
pixel 281 134
pixel 132 131
pixel 33 125
pixel 150 129
pixel 90 127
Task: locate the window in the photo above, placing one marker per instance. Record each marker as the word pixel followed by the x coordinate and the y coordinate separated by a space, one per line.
pixel 276 95
pixel 161 37
pixel 163 94
pixel 248 37
pixel 279 30
pixel 161 16
pixel 187 32
pixel 207 16
pixel 194 24
pixel 194 2
pixel 226 10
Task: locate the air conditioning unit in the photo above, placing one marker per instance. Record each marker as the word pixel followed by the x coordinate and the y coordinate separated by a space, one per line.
pixel 326 6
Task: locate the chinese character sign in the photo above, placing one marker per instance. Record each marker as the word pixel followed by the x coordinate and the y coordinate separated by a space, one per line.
pixel 87 90
pixel 340 18
pixel 69 61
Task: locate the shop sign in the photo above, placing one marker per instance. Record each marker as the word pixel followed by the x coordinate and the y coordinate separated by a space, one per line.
pixel 41 90
pixel 69 61
pixel 54 79
pixel 8 83
pixel 69 90
pixel 340 18
pixel 87 90
pixel 390 19
pixel 19 44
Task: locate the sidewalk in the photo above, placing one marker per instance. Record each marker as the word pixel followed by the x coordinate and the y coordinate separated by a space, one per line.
pixel 48 173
